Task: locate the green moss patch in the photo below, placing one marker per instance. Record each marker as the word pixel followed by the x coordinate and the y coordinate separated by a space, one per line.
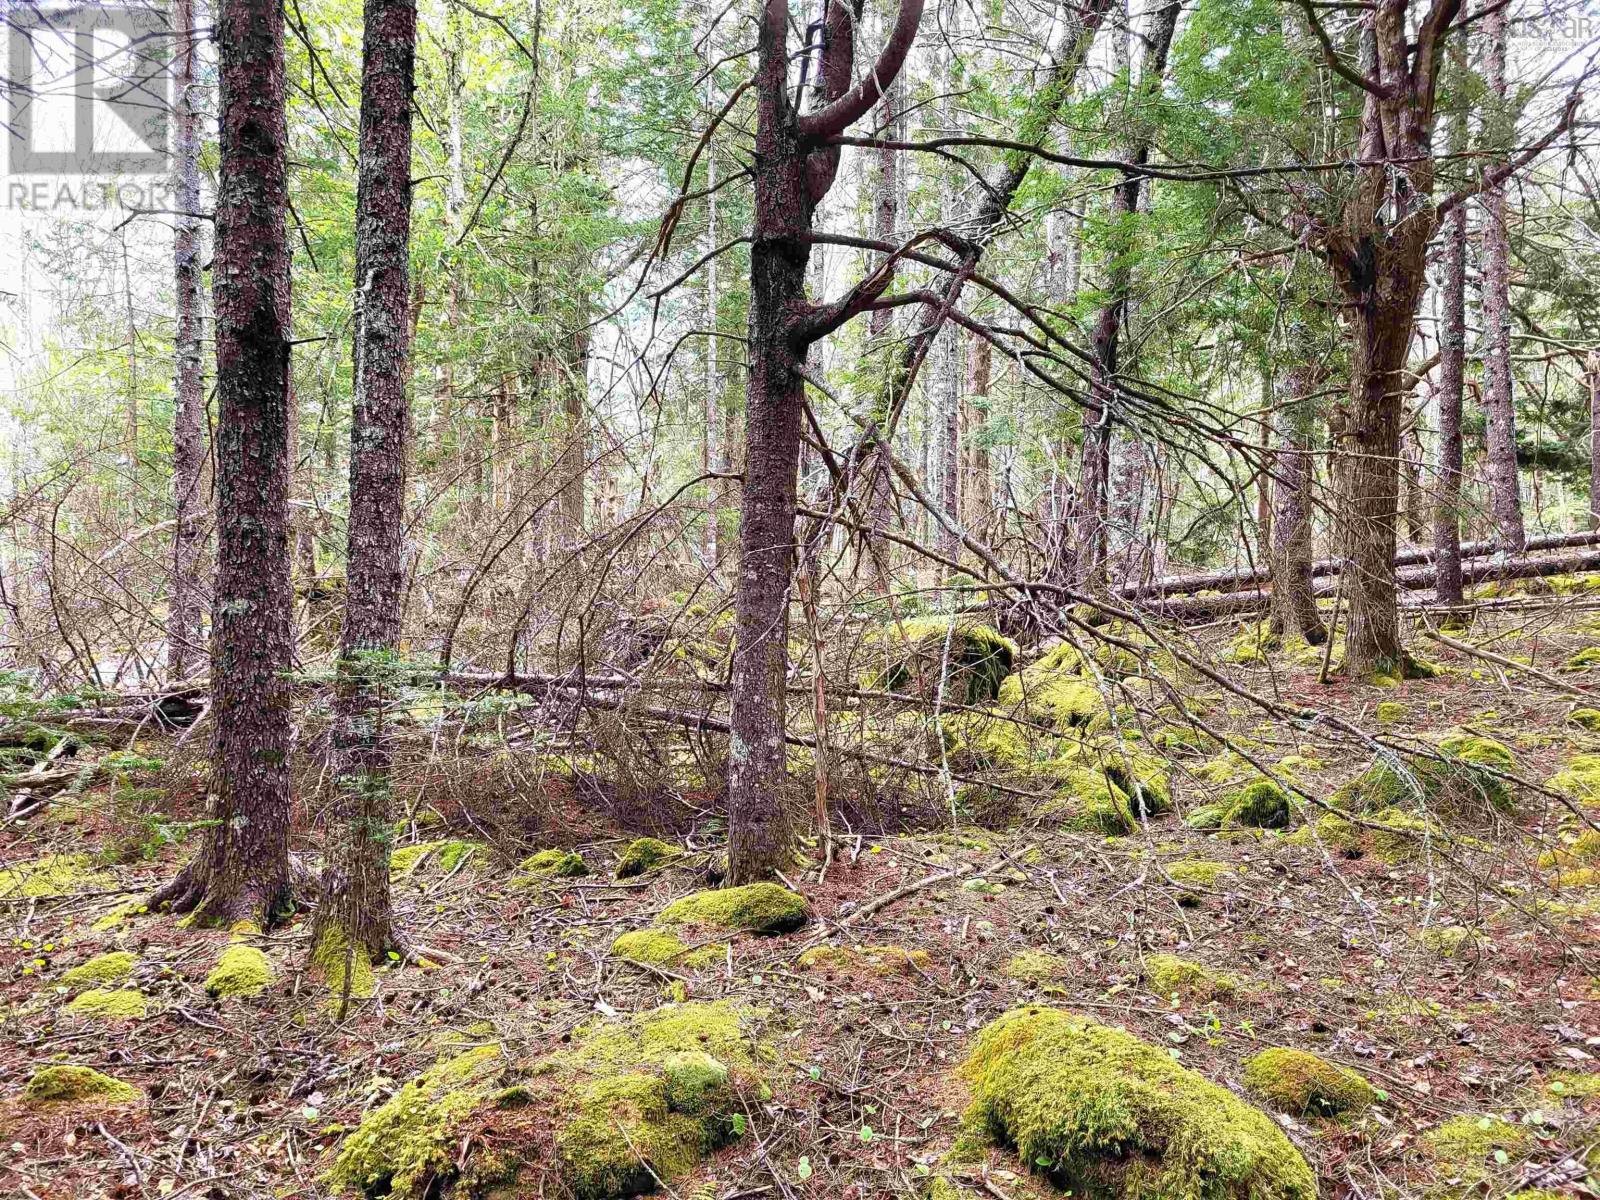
pixel 54 875
pixel 1038 966
pixel 108 1004
pixel 76 1085
pixel 1452 786
pixel 552 864
pixel 103 970
pixel 240 971
pixel 664 948
pixel 1108 1116
pixel 1088 802
pixel 873 960
pixel 443 856
pixel 1301 1084
pixel 646 854
pixel 1580 780
pixel 1196 872
pixel 1463 1149
pixel 756 908
pixel 335 958
pixel 970 659
pixel 1170 975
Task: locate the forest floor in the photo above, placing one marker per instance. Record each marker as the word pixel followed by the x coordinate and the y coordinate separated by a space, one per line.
pixel 1458 983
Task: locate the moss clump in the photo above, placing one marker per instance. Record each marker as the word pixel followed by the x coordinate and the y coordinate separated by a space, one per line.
pixel 1088 802
pixel 646 854
pixel 1448 940
pixel 76 1085
pixel 240 971
pixel 103 970
pixel 1462 1149
pixel 877 960
pixel 1196 872
pixel 1581 851
pixel 334 956
pixel 1571 1085
pixel 1259 805
pixel 911 656
pixel 1038 966
pixel 1584 659
pixel 756 907
pixel 1585 718
pixel 1579 781
pixel 1170 975
pixel 647 1097
pixel 1402 837
pixel 1108 1116
pixel 445 855
pixel 109 1004
pixel 1452 786
pixel 52 876
pixel 1391 711
pixel 663 948
pixel 1053 697
pixel 553 864
pixel 1301 1084
pixel 1475 748
pixel 408 1145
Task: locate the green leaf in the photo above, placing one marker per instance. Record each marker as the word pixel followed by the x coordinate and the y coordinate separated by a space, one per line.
pixel 803 1170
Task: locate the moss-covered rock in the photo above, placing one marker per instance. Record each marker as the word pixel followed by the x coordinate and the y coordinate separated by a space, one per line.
pixel 1582 850
pixel 1196 872
pixel 1585 718
pixel 1258 805
pixel 756 907
pixel 1579 780
pixel 76 1085
pixel 1391 711
pixel 1170 975
pixel 342 967
pixel 1088 802
pixel 1583 660
pixel 552 864
pixel 103 970
pixel 1451 785
pixel 54 875
pixel 1113 1118
pixel 1302 1084
pixel 240 971
pixel 408 1145
pixel 875 960
pixel 664 948
pixel 911 657
pixel 109 1004
pixel 1053 697
pixel 1329 832
pixel 1465 746
pixel 646 854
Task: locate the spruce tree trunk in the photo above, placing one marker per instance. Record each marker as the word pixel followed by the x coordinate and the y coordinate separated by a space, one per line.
pixel 185 641
pixel 1594 439
pixel 241 871
pixel 1094 496
pixel 354 914
pixel 978 490
pixel 794 169
pixel 1294 605
pixel 1452 362
pixel 1500 438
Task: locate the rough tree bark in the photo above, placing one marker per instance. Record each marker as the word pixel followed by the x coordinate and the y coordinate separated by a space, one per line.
pixel 354 915
pixel 977 490
pixel 1500 436
pixel 184 638
pixel 1294 604
pixel 1094 492
pixel 1594 439
pixel 1452 363
pixel 795 167
pixel 241 871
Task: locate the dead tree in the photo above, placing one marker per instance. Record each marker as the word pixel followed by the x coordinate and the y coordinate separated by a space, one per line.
pixel 1294 604
pixel 241 871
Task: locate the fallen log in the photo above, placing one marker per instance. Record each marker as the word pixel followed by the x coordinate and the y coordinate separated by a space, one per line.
pixel 1248 579
pixel 1483 570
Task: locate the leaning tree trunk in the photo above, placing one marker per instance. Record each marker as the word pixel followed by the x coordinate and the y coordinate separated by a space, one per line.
pixel 1500 437
pixel 1452 361
pixel 354 916
pixel 794 169
pixel 241 871
pixel 184 638
pixel 1294 604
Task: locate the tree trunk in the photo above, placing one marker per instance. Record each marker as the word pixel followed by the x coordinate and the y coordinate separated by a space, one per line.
pixel 241 871
pixel 794 170
pixel 1594 439
pixel 1294 605
pixel 1452 361
pixel 977 493
pixel 184 638
pixel 714 453
pixel 1094 498
pixel 354 914
pixel 1500 437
